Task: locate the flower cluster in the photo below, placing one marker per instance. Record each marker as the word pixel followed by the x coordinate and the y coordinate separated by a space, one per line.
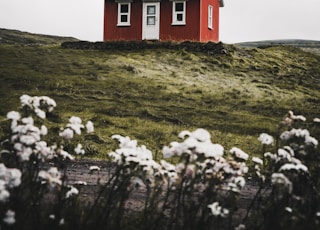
pixel 9 178
pixel 26 137
pixel 137 160
pixel 290 118
pixel 205 160
pixel 74 126
pixel 40 105
pixel 303 134
pixel 26 149
pixel 217 210
pixel 52 176
pixel 294 188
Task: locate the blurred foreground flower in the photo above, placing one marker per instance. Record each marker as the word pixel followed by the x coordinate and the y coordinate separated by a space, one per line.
pixel 9 217
pixel 265 139
pixel 217 210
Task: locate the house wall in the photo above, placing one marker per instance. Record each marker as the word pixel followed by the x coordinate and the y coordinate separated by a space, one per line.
pixel 207 34
pixel 195 29
pixel 114 32
pixel 190 31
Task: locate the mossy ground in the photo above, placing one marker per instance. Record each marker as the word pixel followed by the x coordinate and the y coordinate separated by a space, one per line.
pixel 153 94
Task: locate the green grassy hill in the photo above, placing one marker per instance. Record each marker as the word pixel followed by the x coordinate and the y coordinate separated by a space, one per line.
pixel 153 94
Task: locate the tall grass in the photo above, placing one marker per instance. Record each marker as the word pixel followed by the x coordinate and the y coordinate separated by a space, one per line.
pixel 199 188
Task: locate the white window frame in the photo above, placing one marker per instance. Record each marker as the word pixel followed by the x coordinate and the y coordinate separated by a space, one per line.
pixel 176 13
pixel 210 17
pixel 120 14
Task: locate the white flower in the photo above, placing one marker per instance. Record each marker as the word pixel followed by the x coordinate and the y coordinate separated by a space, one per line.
pixel 239 153
pixel 284 155
pixel 79 182
pixel 28 139
pixel 285 136
pixel 296 117
pixel 175 148
pixel 281 179
pixel 9 178
pixel 61 222
pixel 300 133
pixel 217 210
pixel 9 217
pixel 316 120
pixel 240 181
pixel 65 154
pixel 240 227
pixel 67 134
pixel 116 157
pixel 43 151
pixel 167 152
pixel 72 191
pixel 257 160
pixel 125 142
pixel 236 184
pixel 75 124
pixel 209 149
pixel 49 102
pixel 310 141
pixel 79 149
pixel 271 156
pixel 90 127
pixel 288 209
pixel 4 194
pixel 13 177
pixel 13 115
pixel 94 168
pixel 40 113
pixel 52 176
pixel 201 135
pixel 25 152
pixel 265 139
pixel 43 130
pixel 26 100
pixel 184 133
pixel 297 167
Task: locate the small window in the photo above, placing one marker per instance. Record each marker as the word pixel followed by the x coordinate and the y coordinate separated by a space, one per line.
pixel 210 18
pixel 178 12
pixel 124 14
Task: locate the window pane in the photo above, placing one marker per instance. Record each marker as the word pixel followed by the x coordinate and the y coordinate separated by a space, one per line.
pixel 124 18
pixel 179 6
pixel 179 17
pixel 151 10
pixel 151 20
pixel 124 8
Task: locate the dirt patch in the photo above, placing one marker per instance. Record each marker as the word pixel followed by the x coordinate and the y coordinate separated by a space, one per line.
pixel 78 170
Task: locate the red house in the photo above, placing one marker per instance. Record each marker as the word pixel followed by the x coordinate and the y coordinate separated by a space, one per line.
pixel 165 20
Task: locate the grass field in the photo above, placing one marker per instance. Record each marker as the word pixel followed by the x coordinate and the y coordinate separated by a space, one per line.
pixel 153 94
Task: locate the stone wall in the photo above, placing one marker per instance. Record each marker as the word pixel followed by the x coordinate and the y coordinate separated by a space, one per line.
pixel 210 48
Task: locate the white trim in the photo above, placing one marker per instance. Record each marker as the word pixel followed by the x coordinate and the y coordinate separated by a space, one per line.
pixel 182 14
pixel 127 14
pixel 210 17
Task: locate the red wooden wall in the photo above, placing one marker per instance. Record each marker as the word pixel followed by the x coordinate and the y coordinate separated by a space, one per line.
pixel 114 32
pixel 189 32
pixel 196 28
pixel 207 34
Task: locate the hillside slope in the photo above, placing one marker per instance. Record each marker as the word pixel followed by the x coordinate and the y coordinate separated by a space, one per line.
pixel 24 38
pixel 307 45
pixel 153 94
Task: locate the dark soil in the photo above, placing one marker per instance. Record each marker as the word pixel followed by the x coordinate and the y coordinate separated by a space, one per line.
pixel 78 170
